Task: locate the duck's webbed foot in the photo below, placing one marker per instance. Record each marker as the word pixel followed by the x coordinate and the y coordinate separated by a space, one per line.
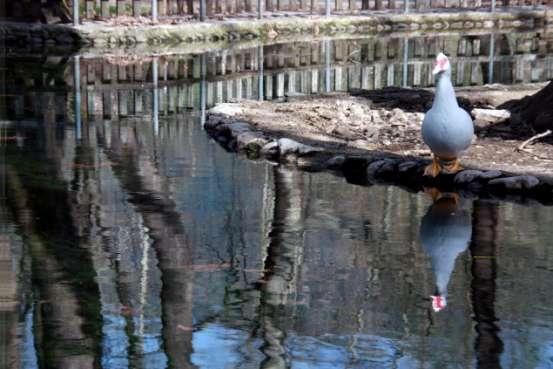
pixel 434 168
pixel 452 166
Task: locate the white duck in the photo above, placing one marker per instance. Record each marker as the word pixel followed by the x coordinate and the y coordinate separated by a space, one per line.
pixel 447 129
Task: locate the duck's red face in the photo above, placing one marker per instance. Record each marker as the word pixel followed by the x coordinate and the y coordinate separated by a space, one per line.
pixel 441 64
pixel 438 303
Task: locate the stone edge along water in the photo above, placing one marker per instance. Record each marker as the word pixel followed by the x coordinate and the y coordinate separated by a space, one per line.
pixel 103 36
pixel 374 168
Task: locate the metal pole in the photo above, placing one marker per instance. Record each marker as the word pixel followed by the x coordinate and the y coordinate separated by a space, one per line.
pixel 155 102
pixel 406 6
pixel 203 70
pixel 259 10
pixel 405 60
pixel 260 60
pixel 492 54
pixel 75 12
pixel 154 11
pixel 493 6
pixel 202 10
pixel 326 44
pixel 327 8
pixel 77 88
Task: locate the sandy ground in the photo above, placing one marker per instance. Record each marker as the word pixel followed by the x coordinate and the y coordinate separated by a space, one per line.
pixel 368 123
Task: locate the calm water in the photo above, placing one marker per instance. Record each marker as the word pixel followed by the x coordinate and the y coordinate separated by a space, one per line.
pixel 129 239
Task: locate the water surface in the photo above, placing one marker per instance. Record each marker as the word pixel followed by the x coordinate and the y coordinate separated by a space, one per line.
pixel 129 239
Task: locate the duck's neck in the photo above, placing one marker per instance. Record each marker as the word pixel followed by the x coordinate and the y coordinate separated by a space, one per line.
pixel 445 94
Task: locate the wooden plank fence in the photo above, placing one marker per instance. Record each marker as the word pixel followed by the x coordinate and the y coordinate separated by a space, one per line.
pixel 105 9
pixel 30 10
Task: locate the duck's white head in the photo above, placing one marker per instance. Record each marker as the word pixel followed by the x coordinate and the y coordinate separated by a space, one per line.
pixel 441 64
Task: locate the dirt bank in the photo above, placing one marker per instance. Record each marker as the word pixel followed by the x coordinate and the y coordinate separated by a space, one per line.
pixel 379 131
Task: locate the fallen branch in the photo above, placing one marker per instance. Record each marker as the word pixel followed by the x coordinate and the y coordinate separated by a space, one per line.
pixel 532 139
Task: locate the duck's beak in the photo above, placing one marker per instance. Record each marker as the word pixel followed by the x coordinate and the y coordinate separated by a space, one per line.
pixel 438 303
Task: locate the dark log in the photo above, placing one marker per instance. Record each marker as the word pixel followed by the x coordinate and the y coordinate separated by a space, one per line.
pixel 535 111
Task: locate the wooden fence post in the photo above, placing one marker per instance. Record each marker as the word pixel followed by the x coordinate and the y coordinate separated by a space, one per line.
pixel 420 4
pixel 491 60
pixel 162 7
pixel 326 44
pixel 104 9
pixel 405 62
pixel 136 10
pixel 260 86
pixel 154 11
pixel 292 5
pixel 121 7
pixel 89 8
pixel 76 12
pixel 202 10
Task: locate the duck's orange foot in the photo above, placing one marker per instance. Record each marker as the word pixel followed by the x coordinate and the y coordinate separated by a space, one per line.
pixel 433 169
pixel 452 166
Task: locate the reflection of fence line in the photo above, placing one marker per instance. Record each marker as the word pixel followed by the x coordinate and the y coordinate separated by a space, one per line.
pixel 112 88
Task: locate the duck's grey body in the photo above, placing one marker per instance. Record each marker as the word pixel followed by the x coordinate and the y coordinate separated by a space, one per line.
pixel 447 129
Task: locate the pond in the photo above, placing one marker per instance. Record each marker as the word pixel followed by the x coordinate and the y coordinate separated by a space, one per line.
pixel 129 239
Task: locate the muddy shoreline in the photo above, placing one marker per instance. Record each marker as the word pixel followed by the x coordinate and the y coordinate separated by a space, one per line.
pixel 369 142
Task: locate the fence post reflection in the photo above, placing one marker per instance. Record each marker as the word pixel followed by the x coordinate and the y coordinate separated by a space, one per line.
pixel 155 98
pixel 77 91
pixel 203 69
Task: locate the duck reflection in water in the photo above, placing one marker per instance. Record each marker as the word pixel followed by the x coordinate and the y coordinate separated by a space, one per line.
pixel 445 232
